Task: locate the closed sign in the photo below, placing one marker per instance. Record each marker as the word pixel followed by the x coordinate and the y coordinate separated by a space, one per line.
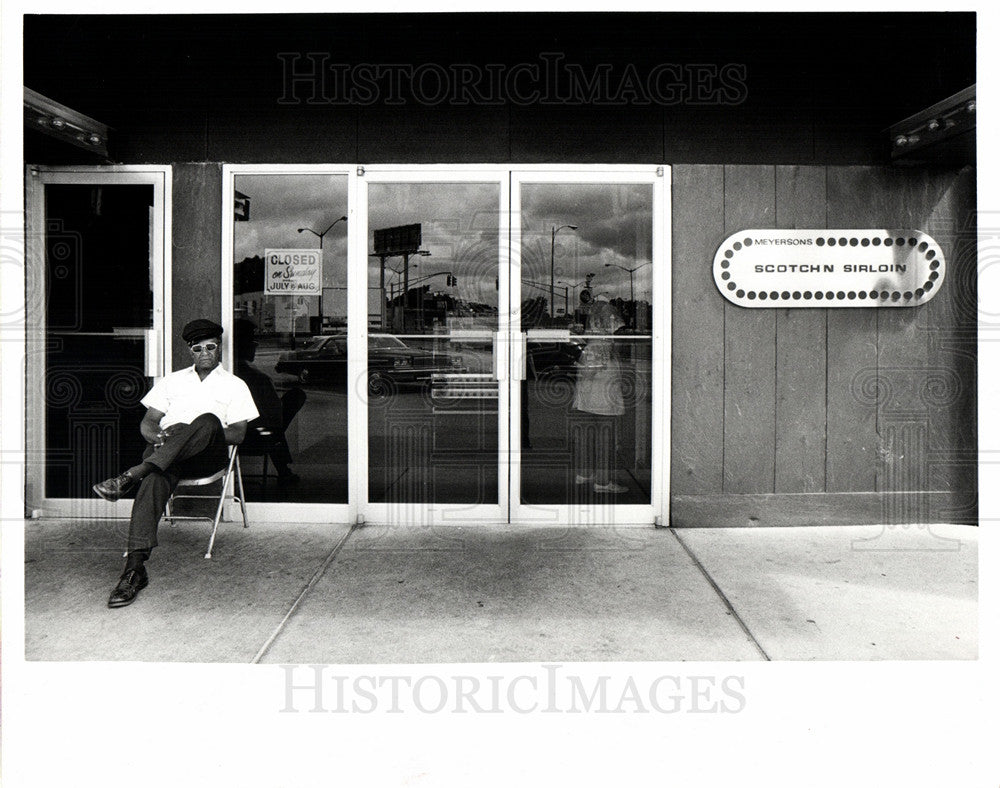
pixel 829 268
pixel 293 271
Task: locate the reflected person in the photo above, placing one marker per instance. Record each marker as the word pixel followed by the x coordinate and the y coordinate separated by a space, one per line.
pixel 598 400
pixel 266 433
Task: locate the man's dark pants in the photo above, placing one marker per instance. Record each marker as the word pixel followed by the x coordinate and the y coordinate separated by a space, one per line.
pixel 195 450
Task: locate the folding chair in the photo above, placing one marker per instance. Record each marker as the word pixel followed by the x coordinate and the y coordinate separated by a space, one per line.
pixel 226 475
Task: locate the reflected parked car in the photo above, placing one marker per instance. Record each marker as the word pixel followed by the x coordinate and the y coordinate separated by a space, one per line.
pixel 390 361
pixel 546 358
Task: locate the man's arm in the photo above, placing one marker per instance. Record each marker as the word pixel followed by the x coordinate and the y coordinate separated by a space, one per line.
pixel 150 425
pixel 235 433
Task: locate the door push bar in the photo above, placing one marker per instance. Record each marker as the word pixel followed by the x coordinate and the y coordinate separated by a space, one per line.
pixel 520 364
pixel 499 356
pixel 152 362
pixel 511 355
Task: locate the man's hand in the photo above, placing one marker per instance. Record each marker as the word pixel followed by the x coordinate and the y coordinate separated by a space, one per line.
pixel 150 426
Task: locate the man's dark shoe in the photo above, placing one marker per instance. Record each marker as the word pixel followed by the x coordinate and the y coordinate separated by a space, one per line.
pixel 114 488
pixel 131 583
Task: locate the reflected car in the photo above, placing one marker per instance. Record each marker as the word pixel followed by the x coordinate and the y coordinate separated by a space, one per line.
pixel 547 358
pixel 391 362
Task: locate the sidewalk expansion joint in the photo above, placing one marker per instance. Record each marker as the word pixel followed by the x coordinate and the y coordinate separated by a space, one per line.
pixel 721 595
pixel 304 593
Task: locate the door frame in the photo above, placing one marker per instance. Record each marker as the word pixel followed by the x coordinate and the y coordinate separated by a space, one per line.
pixel 292 511
pixel 358 509
pixel 37 177
pixel 434 513
pixel 609 513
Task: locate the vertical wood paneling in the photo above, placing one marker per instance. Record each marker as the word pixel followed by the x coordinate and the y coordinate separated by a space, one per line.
pixel 958 210
pixel 852 353
pixel 893 389
pixel 748 435
pixel 697 394
pixel 902 199
pixel 800 420
pixel 949 324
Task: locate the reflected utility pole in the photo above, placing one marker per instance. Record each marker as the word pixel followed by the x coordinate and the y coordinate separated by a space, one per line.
pixel 319 306
pixel 552 268
pixel 631 284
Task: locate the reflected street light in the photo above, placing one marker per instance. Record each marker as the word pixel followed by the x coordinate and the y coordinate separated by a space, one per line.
pixel 319 306
pixel 552 268
pixel 631 284
pixel 320 235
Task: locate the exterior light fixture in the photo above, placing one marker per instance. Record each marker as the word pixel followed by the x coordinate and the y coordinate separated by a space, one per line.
pixel 943 132
pixel 57 120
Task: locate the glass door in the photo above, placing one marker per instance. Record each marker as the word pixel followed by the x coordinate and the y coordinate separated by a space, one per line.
pixel 98 257
pixel 589 346
pixel 436 403
pixel 288 276
pixel 479 345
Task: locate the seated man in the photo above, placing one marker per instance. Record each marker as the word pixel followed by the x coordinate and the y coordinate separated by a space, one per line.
pixel 193 415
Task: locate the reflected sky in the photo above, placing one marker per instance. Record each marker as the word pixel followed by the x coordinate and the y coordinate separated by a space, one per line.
pixel 280 204
pixel 460 230
pixel 459 227
pixel 614 226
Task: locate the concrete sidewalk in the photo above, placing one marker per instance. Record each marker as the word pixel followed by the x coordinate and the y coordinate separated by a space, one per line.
pixel 333 594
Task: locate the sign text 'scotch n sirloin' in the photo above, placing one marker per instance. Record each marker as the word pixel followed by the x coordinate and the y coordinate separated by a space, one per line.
pixel 829 268
pixel 293 271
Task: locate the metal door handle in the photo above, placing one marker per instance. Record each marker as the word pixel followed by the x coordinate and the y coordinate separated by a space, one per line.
pixel 519 353
pixel 152 363
pixel 152 354
pixel 500 359
pixel 549 334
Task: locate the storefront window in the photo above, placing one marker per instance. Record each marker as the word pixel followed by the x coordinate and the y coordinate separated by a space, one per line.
pixel 432 392
pixel 290 333
pixel 586 407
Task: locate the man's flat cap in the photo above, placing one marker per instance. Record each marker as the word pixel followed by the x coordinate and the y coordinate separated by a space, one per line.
pixel 200 329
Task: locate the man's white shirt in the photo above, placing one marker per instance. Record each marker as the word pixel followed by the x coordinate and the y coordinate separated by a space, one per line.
pixel 182 396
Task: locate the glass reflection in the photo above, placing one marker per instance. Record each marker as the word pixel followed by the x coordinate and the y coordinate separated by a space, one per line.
pixel 432 421
pixel 291 347
pixel 583 241
pixel 433 308
pixel 586 410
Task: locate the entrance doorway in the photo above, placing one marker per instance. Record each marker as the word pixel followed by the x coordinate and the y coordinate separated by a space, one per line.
pixel 97 269
pixel 480 344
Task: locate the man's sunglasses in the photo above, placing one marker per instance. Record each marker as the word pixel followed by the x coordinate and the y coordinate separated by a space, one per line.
pixel 211 347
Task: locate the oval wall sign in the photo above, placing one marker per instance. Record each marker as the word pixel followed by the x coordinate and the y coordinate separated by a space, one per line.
pixel 829 268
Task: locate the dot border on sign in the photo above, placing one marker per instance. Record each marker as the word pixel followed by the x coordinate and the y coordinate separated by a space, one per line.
pixel 914 242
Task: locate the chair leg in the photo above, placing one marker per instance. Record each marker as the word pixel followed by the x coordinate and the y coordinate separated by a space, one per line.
pixel 215 523
pixel 242 497
pixel 222 501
